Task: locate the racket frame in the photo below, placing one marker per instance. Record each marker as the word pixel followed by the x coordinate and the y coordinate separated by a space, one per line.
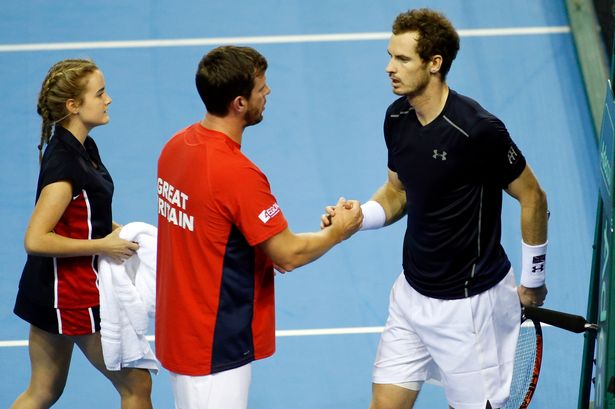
pixel 537 363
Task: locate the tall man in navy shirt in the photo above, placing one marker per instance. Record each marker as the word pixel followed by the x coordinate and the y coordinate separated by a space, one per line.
pixel 454 311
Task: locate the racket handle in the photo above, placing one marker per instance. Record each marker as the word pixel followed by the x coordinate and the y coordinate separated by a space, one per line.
pixel 569 322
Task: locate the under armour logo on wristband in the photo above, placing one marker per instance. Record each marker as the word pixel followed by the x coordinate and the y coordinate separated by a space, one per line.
pixel 538 267
pixel 538 263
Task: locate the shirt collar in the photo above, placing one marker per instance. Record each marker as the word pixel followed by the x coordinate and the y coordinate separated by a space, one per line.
pixel 66 137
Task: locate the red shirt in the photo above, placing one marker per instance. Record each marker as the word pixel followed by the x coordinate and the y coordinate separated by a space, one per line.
pixel 215 299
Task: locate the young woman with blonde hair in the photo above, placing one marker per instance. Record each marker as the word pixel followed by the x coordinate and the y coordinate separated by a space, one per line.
pixel 70 227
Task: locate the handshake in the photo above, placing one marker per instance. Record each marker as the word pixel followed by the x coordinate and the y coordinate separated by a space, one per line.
pixel 346 218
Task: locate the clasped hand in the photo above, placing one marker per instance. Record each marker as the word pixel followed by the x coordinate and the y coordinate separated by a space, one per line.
pixel 346 214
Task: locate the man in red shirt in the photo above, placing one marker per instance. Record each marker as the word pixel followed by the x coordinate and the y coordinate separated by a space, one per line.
pixel 220 232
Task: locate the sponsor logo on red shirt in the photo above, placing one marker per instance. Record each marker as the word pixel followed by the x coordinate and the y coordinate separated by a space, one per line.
pixel 267 214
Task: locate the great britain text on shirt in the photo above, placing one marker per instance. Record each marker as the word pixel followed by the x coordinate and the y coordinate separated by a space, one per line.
pixel 172 205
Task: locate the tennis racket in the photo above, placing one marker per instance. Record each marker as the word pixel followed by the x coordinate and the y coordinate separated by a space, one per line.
pixel 526 368
pixel 528 355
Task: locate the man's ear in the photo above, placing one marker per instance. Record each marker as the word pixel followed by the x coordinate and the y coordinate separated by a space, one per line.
pixel 435 64
pixel 239 104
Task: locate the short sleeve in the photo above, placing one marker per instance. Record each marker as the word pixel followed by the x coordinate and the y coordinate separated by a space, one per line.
pixel 388 138
pixel 500 158
pixel 62 167
pixel 254 209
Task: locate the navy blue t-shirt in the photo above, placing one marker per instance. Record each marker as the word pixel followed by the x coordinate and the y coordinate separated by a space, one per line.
pixel 453 170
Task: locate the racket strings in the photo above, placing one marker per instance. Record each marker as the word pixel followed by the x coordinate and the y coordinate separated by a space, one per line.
pixel 523 369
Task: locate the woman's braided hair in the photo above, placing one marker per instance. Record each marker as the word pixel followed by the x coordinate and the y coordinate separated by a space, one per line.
pixel 65 80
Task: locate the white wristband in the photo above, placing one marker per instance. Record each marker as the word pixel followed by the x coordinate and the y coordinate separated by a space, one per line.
pixel 533 260
pixel 373 215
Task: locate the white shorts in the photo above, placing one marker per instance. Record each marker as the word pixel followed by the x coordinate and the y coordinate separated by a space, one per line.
pixel 222 390
pixel 468 345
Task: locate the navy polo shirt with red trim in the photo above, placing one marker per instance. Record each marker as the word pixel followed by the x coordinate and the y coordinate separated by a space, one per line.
pixel 70 282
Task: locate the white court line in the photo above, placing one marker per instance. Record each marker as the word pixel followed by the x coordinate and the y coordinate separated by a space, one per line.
pixel 278 333
pixel 280 39
pixel 327 331
pixel 17 343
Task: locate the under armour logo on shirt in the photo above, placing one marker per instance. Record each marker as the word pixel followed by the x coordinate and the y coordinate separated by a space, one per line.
pixel 438 155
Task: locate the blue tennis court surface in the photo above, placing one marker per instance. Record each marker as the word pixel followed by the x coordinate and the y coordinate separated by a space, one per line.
pixel 321 138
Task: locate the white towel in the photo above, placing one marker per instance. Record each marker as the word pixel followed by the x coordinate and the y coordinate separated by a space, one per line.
pixel 128 301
